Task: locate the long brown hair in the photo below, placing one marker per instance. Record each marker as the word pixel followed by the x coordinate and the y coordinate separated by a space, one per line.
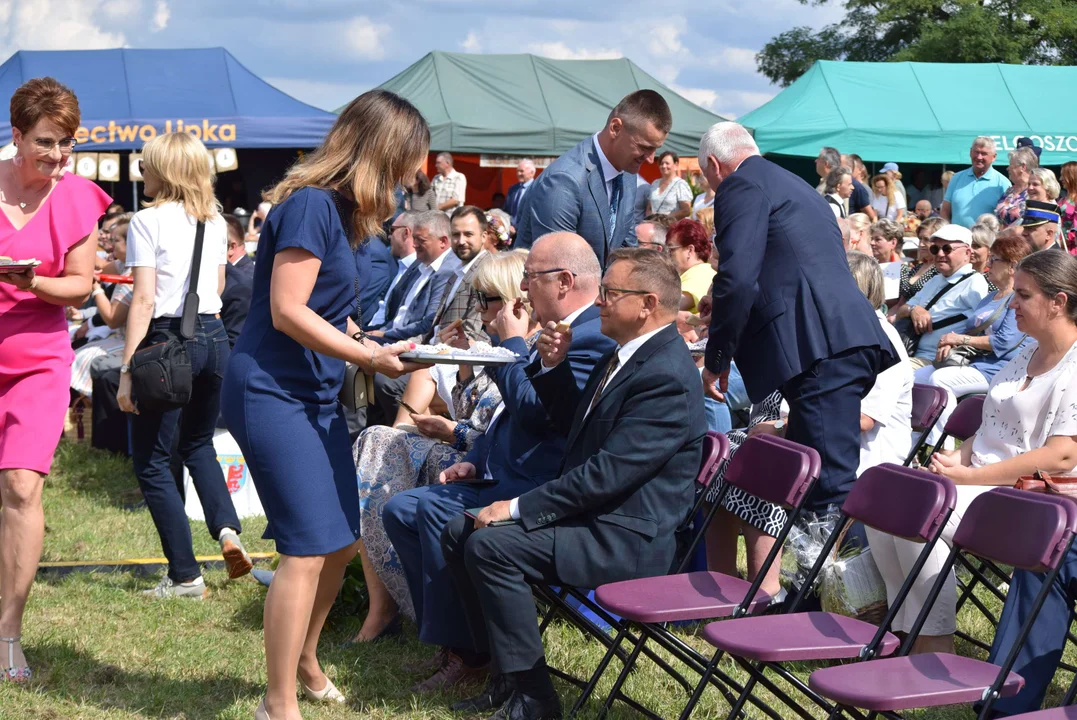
pixel 378 139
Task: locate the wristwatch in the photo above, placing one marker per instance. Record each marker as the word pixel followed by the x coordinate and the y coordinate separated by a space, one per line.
pixel 779 425
pixel 124 369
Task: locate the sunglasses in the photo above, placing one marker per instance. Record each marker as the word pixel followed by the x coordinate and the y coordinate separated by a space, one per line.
pixel 484 300
pixel 943 249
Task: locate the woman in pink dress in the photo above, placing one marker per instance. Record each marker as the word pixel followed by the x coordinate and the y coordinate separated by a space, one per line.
pixel 50 217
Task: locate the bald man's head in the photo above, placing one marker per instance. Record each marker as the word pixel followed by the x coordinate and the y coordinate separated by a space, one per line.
pixel 561 276
pixel 572 252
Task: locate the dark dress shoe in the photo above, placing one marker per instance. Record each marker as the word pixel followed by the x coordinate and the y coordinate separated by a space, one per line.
pixel 496 693
pixel 394 629
pixel 453 673
pixel 524 707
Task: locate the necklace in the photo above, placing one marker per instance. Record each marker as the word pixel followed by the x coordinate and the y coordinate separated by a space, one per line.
pixel 15 184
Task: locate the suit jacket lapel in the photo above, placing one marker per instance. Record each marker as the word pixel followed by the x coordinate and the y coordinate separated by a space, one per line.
pixel 597 184
pixel 401 290
pixel 585 399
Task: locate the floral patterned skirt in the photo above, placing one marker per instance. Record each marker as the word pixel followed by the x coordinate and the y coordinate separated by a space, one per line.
pixel 389 461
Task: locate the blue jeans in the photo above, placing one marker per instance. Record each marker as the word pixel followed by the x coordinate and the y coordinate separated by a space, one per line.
pixel 152 438
pixel 719 417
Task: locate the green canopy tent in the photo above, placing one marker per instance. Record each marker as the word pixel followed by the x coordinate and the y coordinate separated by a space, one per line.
pixel 529 105
pixel 920 112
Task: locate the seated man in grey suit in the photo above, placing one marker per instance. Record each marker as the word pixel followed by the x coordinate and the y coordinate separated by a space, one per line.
pixel 591 189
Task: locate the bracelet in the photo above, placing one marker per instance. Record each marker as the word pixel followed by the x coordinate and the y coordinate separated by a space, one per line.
pixel 97 292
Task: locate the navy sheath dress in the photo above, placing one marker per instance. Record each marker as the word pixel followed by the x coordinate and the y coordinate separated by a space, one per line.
pixel 279 398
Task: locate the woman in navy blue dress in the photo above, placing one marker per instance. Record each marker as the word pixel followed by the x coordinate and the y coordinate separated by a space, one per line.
pixel 280 393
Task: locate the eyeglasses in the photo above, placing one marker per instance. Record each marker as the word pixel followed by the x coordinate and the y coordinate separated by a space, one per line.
pixel 942 249
pixel 604 292
pixel 651 246
pixel 671 248
pixel 45 146
pixel 485 300
pixel 529 276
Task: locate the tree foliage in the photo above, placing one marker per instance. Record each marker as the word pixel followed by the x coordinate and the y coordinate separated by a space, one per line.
pixel 1038 32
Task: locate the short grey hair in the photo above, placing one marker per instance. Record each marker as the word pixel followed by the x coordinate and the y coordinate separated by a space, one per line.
pixel 833 178
pixel 831 157
pixel 1050 182
pixel 1024 157
pixel 434 222
pixel 982 236
pixel 408 218
pixel 987 143
pixel 578 258
pixel 868 276
pixel 447 157
pixel 989 221
pixel 890 229
pixel 726 141
pixel 655 273
pixel 660 231
pixel 528 162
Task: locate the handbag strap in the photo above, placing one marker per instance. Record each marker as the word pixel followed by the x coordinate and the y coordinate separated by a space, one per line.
pixel 947 288
pixel 190 302
pixel 982 327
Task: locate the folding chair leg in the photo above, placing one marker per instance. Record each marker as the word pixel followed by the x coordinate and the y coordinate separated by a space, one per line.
pixel 631 661
pixel 703 682
pixel 599 672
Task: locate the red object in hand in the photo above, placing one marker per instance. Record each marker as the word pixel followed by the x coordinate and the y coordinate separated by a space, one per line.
pixel 121 279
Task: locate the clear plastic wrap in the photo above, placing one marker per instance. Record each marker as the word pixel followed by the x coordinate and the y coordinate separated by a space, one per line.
pixel 849 583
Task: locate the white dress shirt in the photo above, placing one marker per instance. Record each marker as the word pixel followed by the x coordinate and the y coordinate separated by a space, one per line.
pixel 402 267
pixel 609 173
pixel 624 355
pixel 425 273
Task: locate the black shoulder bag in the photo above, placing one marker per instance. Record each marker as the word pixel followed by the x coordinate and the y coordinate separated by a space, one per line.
pixel 904 326
pixel 161 376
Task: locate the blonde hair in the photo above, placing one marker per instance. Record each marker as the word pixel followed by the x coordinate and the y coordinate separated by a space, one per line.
pixel 889 187
pixel 181 162
pixel 858 222
pixel 378 140
pixel 705 217
pixel 500 274
pixel 1049 181
pixel 868 276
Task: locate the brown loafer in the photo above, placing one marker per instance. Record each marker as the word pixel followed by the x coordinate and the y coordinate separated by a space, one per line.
pixel 452 674
pixel 430 664
pixel 235 555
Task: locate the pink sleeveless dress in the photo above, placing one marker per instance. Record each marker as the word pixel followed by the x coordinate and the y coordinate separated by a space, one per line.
pixel 35 348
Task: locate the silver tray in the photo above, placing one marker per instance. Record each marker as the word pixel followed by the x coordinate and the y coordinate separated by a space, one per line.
pixel 18 265
pixel 458 358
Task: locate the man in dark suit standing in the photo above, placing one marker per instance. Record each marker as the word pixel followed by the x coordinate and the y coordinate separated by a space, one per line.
pixel 521 448
pixel 591 189
pixel 238 281
pixel 612 512
pixel 525 176
pixel 786 306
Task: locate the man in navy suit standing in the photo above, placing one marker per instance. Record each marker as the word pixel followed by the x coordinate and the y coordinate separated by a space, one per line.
pixel 786 306
pixel 591 189
pixel 238 281
pixel 525 175
pixel 521 449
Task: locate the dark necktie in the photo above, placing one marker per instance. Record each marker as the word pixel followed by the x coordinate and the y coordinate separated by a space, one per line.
pixel 615 362
pixel 615 202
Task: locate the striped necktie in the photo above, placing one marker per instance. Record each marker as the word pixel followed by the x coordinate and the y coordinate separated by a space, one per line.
pixel 615 202
pixel 615 362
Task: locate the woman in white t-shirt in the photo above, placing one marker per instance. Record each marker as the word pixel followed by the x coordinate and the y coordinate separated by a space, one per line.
pixel 670 194
pixel 1029 424
pixel 160 250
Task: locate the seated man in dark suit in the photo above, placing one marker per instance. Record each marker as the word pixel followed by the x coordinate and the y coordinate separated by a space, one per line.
pixel 591 189
pixel 377 268
pixel 787 307
pixel 521 449
pixel 425 282
pixel 238 281
pixel 612 512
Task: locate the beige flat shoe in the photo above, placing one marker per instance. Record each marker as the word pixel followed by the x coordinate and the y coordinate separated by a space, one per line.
pixel 260 713
pixel 328 694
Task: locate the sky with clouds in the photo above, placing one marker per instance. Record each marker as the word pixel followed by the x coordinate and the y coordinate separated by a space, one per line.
pixel 325 52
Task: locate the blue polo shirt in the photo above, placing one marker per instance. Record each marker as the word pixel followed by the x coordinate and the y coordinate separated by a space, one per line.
pixel 970 196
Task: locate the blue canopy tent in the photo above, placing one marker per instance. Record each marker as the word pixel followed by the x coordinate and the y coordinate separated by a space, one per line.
pixel 130 96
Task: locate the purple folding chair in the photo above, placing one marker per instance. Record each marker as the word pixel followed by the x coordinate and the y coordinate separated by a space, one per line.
pixel 715 453
pixel 900 501
pixel 1026 530
pixel 928 402
pixel 1065 711
pixel 964 421
pixel 772 468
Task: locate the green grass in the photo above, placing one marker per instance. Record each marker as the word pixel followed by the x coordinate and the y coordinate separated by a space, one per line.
pixel 100 650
